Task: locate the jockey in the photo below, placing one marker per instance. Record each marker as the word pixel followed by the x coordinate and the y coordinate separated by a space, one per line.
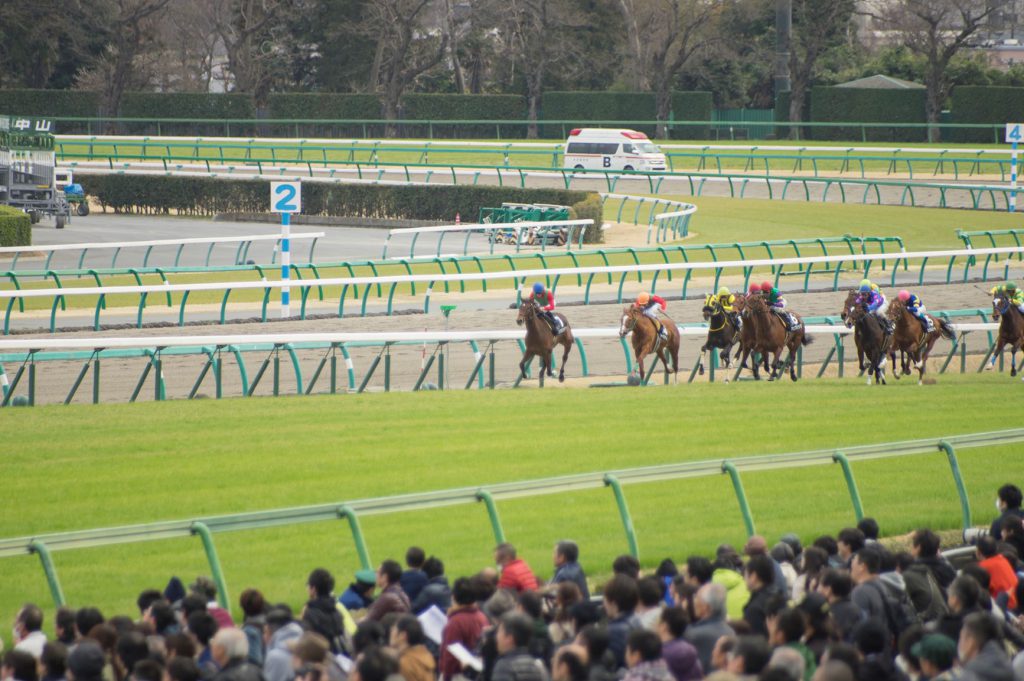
pixel 872 299
pixel 545 302
pixel 777 304
pixel 650 304
pixel 726 299
pixel 915 306
pixel 1013 294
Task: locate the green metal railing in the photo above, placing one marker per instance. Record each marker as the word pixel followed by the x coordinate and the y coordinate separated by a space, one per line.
pixel 995 237
pixel 44 545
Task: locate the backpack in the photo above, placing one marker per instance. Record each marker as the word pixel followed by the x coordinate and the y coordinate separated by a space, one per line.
pixel 899 613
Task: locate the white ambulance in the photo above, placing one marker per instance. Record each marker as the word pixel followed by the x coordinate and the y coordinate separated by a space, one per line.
pixel 611 149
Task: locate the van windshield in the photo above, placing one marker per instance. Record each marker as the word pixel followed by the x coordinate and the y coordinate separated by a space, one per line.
pixel 646 148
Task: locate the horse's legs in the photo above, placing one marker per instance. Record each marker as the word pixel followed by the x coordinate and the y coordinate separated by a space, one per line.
pixel 640 366
pixel 565 357
pixel 675 365
pixel 1000 344
pixel 663 356
pixel 700 362
pixel 775 364
pixel 527 356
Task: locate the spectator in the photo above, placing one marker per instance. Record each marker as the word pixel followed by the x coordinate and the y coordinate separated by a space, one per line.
pixel 180 645
pixel 515 573
pixel 160 618
pixel 376 664
pixel 569 663
pixel 837 586
pixel 729 573
pixel 413 579
pixel 710 625
pixel 924 546
pixel 568 568
pixel 666 573
pixel 757 546
pixel 831 548
pixel 436 591
pixel 181 668
pixel 529 603
pixel 834 670
pixel 230 650
pixel 392 597
pixel 85 662
pixel 64 625
pixel 787 631
pixel 935 654
pixel 845 654
pixel 321 614
pixel 131 649
pixel 1002 578
pixel 783 556
pixel 680 655
pixel 626 565
pixel 787 665
pixel 813 563
pixel 146 599
pixel 849 542
pixel 53 663
pixel 254 607
pixel 873 641
pixel 906 661
pixel 963 598
pixel 722 653
pixel 749 656
pixel 819 632
pixel 698 571
pixel 28 635
pixel 643 656
pixel 759 573
pixel 981 648
pixel 795 544
pixel 415 663
pixel 19 665
pixel 465 625
pixel 279 630
pixel 869 594
pixel 922 589
pixel 869 528
pixel 207 589
pixel 601 665
pixel 202 627
pixel 515 662
pixel 563 624
pixel 1008 501
pixel 620 600
pixel 1013 535
pixel 147 670
pixel 651 591
pixel 359 594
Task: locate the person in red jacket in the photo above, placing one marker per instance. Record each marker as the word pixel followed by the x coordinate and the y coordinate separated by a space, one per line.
pixel 545 302
pixel 466 624
pixel 650 304
pixel 1002 577
pixel 515 573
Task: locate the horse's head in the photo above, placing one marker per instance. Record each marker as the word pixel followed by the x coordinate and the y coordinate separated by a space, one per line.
pixel 526 312
pixel 999 306
pixel 896 309
pixel 757 304
pixel 711 305
pixel 849 307
pixel 739 305
pixel 630 315
pixel 853 314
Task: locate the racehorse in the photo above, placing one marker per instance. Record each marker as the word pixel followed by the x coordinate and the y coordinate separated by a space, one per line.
pixel 646 341
pixel 748 337
pixel 872 341
pixel 541 341
pixel 1011 330
pixel 848 307
pixel 772 337
pixel 721 333
pixel 909 336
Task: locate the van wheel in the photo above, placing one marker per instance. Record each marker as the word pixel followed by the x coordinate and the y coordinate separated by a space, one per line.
pixel 60 222
pixel 577 167
pixel 627 167
pixel 33 216
pixel 83 208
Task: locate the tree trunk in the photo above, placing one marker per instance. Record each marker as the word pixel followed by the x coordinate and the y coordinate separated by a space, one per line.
pixel 934 100
pixel 392 94
pixel 453 48
pixel 663 107
pixel 533 94
pixel 797 96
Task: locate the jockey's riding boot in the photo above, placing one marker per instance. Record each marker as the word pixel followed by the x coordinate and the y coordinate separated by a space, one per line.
pixel 662 332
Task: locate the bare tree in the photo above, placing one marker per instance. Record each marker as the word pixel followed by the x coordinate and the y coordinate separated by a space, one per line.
pixel 250 31
pixel 820 24
pixel 189 34
pixel 936 30
pixel 405 49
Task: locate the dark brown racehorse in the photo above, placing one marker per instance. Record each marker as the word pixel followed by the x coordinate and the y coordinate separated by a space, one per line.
pixel 1011 330
pixel 872 341
pixel 772 338
pixel 848 306
pixel 541 341
pixel 722 333
pixel 910 337
pixel 645 340
pixel 748 337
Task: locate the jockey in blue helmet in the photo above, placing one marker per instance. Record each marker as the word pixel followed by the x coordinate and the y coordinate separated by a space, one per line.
pixel 545 302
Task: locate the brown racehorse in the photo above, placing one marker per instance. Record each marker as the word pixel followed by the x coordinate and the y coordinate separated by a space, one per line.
pixel 541 341
pixel 748 338
pixel 1011 330
pixel 772 338
pixel 645 340
pixel 910 337
pixel 848 307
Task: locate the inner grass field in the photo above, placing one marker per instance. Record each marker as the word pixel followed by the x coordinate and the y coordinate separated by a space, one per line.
pixel 81 467
pixel 718 220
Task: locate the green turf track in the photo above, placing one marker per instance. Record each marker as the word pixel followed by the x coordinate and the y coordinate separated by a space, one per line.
pixel 92 466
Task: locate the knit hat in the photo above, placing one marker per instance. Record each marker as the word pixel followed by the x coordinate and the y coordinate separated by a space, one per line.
pixel 938 649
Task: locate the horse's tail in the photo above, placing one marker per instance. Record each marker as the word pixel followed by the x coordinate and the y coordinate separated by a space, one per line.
pixel 807 339
pixel 946 329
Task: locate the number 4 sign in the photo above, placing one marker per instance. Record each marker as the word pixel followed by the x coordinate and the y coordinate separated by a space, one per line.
pixel 1014 133
pixel 286 197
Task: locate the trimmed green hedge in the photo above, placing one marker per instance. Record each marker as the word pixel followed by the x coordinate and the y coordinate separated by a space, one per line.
pixel 51 103
pixel 868 105
pixel 978 104
pixel 15 227
pixel 185 105
pixel 691 106
pixel 324 105
pixel 596 106
pixel 466 108
pixel 208 196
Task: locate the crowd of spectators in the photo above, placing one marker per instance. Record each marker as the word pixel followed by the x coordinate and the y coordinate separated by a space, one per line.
pixel 844 608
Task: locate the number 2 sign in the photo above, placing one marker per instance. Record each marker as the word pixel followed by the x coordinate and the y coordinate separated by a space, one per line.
pixel 286 197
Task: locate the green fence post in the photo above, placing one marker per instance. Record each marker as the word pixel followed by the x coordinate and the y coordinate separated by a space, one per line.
pixel 211 556
pixel 627 520
pixel 43 552
pixel 492 513
pixel 357 535
pixel 741 496
pixel 954 466
pixel 851 484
